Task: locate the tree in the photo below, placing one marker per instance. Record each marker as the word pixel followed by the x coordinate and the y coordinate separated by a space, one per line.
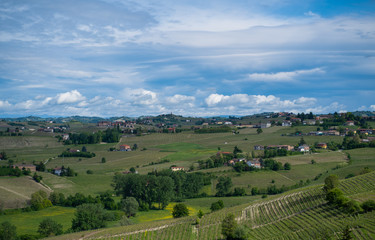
pixel 103 160
pixel 287 166
pixel 223 186
pixel 259 130
pixel 84 149
pixel 228 226
pixel 48 228
pixel 180 210
pixel 368 205
pixel 39 200
pixel 302 142
pixel 217 205
pixel 331 182
pixel 8 231
pixel 89 216
pixel 130 206
pixel 135 146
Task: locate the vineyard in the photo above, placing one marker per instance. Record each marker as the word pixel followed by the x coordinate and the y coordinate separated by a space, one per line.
pixel 302 214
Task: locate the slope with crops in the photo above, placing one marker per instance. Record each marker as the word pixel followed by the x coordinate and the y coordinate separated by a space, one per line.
pixel 299 214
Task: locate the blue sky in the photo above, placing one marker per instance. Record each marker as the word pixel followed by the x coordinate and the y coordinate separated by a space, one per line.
pixel 194 58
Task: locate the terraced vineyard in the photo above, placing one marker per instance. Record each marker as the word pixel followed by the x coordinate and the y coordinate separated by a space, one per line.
pixel 296 215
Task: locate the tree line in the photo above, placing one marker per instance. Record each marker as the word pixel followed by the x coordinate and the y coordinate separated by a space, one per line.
pixel 110 135
pixel 160 187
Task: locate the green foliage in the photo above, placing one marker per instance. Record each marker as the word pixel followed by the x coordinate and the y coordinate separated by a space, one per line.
pixel 49 227
pixel 241 232
pixel 9 171
pixel 221 129
pixel 200 213
pixel 272 165
pixel 180 210
pixel 90 171
pixel 103 160
pixel 39 200
pixel 228 226
pixel 368 205
pixel 223 186
pixel 7 231
pixel 77 154
pixel 346 234
pixel 238 191
pixel 125 221
pixel 89 216
pixel 129 206
pixel 217 205
pixel 259 130
pixel 287 166
pixel 332 181
pixel 37 178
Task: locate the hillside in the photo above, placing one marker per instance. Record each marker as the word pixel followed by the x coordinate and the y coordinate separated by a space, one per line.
pixel 302 214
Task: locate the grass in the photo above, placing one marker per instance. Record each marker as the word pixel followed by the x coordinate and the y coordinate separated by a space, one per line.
pixel 16 191
pixel 28 222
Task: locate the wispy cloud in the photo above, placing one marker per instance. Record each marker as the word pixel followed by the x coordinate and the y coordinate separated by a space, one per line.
pixel 283 76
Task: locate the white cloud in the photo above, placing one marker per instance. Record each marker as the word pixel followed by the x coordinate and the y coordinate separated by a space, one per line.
pixel 372 107
pixel 141 96
pixel 5 104
pixel 283 76
pixel 242 103
pixel 177 99
pixel 311 14
pixel 69 97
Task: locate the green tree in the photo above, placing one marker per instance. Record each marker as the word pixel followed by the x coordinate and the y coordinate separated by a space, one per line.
pixel 39 200
pixel 259 130
pixel 332 181
pixel 8 231
pixel 217 205
pixel 287 166
pixel 180 210
pixel 48 228
pixel 368 205
pixel 89 216
pixel 223 186
pixel 228 226
pixel 302 142
pixel 241 232
pixel 200 213
pixel 164 191
pixel 129 206
pixel 103 160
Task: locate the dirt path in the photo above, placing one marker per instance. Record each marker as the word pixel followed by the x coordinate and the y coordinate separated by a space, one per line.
pixel 18 194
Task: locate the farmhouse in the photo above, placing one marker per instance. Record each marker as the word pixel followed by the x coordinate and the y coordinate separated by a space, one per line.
pixel 286 124
pixel 174 169
pixel 57 171
pixel 349 123
pixel 104 124
pixel 265 125
pixel 321 145
pixel 254 163
pixel 286 147
pixel 258 147
pixel 125 148
pixel 303 148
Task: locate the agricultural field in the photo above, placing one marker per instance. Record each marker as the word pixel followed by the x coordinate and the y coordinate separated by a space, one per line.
pixel 158 151
pixel 299 214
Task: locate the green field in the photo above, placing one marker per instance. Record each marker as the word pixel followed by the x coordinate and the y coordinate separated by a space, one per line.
pixel 181 149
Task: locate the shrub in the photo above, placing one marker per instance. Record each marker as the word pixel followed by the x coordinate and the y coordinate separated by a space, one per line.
pixel 368 205
pixel 48 228
pixel 180 210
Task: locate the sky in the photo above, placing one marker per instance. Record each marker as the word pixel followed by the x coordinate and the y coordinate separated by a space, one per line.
pixel 192 58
